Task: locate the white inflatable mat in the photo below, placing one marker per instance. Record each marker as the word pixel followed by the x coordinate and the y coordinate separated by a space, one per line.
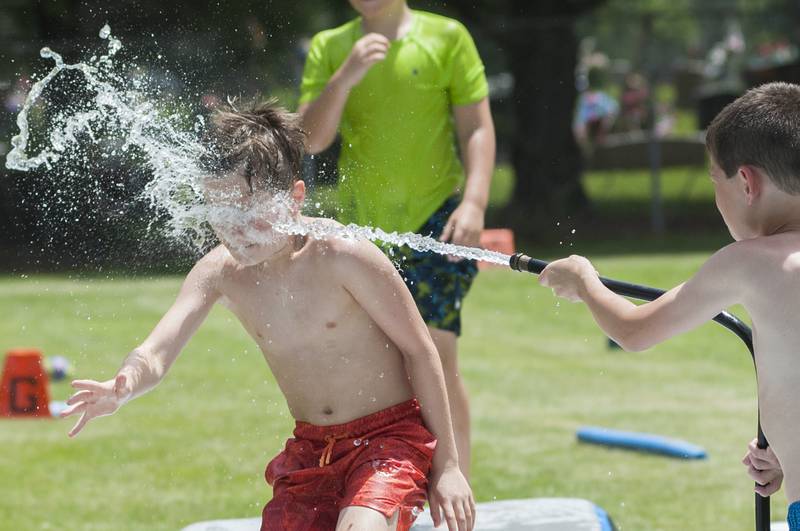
pixel 533 514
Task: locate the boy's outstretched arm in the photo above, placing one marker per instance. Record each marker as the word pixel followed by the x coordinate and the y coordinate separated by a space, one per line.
pixel 376 285
pixel 717 285
pixel 147 364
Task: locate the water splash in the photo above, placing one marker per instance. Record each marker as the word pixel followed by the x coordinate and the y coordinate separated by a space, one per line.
pixel 124 112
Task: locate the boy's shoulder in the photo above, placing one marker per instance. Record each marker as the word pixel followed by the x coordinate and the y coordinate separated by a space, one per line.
pixel 216 263
pixel 439 28
pixel 780 249
pixel 441 23
pixel 340 249
pixel 747 260
pixel 331 239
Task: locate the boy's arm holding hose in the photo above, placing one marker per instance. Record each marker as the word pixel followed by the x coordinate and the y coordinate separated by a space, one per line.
pixel 717 285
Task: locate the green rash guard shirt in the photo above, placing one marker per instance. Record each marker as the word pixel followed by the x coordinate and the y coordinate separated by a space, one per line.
pixel 399 161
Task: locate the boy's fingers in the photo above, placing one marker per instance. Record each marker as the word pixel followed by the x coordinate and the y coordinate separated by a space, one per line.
pixel 462 513
pixel 435 511
pixel 77 408
pixel 472 511
pixel 375 49
pixel 761 464
pixel 759 452
pixel 377 45
pixel 376 37
pixel 80 396
pixel 372 60
pixel 762 477
pixel 447 232
pixel 89 385
pixel 470 514
pixel 767 490
pixel 460 236
pixel 119 384
pixel 79 425
pixel 461 517
pixel 757 476
pixel 450 518
pixel 374 57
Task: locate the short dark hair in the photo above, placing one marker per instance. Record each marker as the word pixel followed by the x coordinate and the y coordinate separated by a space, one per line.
pixel 761 128
pixel 263 140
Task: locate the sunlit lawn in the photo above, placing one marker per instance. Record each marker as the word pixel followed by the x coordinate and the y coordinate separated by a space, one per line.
pixel 195 448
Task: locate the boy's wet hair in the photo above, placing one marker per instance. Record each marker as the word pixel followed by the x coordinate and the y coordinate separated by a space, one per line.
pixel 761 128
pixel 262 140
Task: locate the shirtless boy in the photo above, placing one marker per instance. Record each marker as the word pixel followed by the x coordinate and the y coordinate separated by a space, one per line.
pixel 341 334
pixel 754 146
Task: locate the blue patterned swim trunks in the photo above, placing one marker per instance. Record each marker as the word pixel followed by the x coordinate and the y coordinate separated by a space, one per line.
pixel 437 285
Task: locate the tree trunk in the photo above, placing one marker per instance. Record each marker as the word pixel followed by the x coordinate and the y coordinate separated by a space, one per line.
pixel 539 40
pixel 547 160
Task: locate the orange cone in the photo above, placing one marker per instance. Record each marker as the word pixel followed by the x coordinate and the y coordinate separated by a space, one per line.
pixel 500 240
pixel 23 388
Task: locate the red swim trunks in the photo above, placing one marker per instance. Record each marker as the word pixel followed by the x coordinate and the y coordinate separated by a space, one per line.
pixel 380 461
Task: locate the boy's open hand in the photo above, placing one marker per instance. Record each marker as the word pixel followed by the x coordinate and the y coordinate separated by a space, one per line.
pixel 567 276
pixel 96 399
pixel 449 493
pixel 368 50
pixel 763 466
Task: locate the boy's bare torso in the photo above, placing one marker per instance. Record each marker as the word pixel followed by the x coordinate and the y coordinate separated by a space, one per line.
pixel 330 359
pixel 771 298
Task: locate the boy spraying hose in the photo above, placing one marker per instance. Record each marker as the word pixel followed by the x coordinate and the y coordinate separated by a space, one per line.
pixel 754 147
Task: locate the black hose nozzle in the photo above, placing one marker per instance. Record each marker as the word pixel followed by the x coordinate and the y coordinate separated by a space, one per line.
pixel 523 262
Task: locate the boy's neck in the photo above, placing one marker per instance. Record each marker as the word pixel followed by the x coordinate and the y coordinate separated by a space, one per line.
pixel 781 217
pixel 393 23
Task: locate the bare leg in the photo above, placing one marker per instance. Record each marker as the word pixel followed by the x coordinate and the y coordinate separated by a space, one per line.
pixel 356 518
pixel 447 345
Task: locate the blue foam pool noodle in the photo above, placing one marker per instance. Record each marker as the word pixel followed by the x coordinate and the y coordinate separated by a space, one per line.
pixel 642 442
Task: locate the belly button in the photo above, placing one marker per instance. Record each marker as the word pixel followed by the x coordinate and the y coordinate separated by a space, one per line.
pixel 328 411
pixel 330 324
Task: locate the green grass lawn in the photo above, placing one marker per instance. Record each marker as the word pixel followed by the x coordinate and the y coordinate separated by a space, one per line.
pixel 195 448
